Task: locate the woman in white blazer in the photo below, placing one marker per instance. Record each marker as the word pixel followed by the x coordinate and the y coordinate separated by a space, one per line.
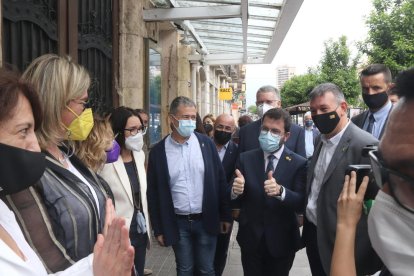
pixel 128 180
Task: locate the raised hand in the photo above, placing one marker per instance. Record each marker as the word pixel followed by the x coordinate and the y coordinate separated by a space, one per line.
pixel 113 254
pixel 238 183
pixel 270 185
pixel 350 202
pixel 109 215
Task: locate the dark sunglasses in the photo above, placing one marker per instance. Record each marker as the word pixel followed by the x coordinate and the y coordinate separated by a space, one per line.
pixel 401 185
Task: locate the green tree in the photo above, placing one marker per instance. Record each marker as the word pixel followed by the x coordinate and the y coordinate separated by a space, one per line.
pixel 252 109
pixel 339 67
pixel 296 90
pixel 391 34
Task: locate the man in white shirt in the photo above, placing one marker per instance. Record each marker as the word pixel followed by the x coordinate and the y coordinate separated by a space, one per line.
pixel 340 145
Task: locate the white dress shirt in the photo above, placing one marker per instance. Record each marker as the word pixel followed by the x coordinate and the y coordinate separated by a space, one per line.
pixel 222 151
pixel 325 157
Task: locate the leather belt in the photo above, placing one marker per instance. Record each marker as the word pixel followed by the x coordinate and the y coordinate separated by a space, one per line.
pixel 191 217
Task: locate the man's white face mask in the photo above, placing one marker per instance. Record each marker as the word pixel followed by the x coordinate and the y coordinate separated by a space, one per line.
pixel 263 108
pixel 391 231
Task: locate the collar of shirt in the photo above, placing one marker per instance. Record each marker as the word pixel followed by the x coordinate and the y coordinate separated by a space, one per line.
pixel 276 154
pixel 308 128
pixel 224 147
pixel 171 140
pixel 335 140
pixel 382 113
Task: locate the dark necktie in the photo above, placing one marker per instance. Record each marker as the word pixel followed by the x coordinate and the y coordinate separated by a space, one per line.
pixel 270 167
pixel 370 123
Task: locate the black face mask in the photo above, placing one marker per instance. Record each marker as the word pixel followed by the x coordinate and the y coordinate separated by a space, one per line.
pixel 208 128
pixel 375 101
pixel 327 122
pixel 19 169
pixel 221 137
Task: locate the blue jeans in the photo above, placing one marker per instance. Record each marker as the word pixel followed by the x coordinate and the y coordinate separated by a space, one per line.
pixel 194 252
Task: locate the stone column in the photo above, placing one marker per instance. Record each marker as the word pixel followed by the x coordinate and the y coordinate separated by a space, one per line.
pixel 207 90
pixel 198 90
pixel 130 86
pixel 194 66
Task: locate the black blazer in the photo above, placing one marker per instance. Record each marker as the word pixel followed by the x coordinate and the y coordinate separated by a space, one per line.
pixel 229 160
pixel 360 119
pixel 249 135
pixel 215 198
pixel 262 215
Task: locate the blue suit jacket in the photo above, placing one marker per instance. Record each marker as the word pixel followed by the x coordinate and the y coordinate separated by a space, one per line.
pixel 229 160
pixel 249 138
pixel 263 215
pixel 161 208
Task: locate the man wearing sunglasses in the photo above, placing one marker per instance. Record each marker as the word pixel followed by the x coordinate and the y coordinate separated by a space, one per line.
pixel 340 145
pixel 391 219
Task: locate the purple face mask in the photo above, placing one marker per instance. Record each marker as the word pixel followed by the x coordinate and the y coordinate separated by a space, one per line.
pixel 113 154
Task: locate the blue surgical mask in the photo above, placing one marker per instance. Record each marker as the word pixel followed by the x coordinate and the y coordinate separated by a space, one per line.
pixel 185 127
pixel 269 142
pixel 308 123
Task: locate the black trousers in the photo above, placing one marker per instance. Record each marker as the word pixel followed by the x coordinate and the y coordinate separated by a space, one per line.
pixel 139 242
pixel 311 242
pixel 222 248
pixel 260 262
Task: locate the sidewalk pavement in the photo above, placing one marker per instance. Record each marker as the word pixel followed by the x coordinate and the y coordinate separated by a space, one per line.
pixel 162 261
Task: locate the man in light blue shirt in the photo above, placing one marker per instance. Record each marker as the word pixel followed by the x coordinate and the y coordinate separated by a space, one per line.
pixel 187 192
pixel 311 132
pixel 376 81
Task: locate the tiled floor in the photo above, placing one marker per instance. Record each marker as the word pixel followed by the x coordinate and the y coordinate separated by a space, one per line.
pixel 162 262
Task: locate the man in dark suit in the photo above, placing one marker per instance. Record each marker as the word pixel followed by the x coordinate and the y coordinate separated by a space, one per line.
pixel 376 81
pixel 224 127
pixel 268 97
pixel 339 146
pixel 311 133
pixel 269 188
pixel 187 192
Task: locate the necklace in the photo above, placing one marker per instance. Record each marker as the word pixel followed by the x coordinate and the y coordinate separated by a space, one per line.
pixel 59 155
pixel 63 158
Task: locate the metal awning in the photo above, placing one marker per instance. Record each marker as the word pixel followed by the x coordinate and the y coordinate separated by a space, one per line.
pixel 229 31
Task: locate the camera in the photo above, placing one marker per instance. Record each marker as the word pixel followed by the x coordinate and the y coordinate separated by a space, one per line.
pixel 363 170
pixel 365 150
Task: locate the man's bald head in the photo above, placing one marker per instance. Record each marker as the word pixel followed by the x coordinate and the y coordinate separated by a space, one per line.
pixel 225 119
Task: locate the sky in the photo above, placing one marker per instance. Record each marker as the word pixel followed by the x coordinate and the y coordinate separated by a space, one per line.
pixel 316 22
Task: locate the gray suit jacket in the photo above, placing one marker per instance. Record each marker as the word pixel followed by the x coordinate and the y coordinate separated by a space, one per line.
pixel 347 152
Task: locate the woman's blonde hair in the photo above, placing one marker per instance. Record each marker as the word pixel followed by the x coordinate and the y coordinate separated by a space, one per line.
pixel 58 80
pixel 92 150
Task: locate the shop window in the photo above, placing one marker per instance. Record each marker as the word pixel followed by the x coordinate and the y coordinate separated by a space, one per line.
pixel 154 81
